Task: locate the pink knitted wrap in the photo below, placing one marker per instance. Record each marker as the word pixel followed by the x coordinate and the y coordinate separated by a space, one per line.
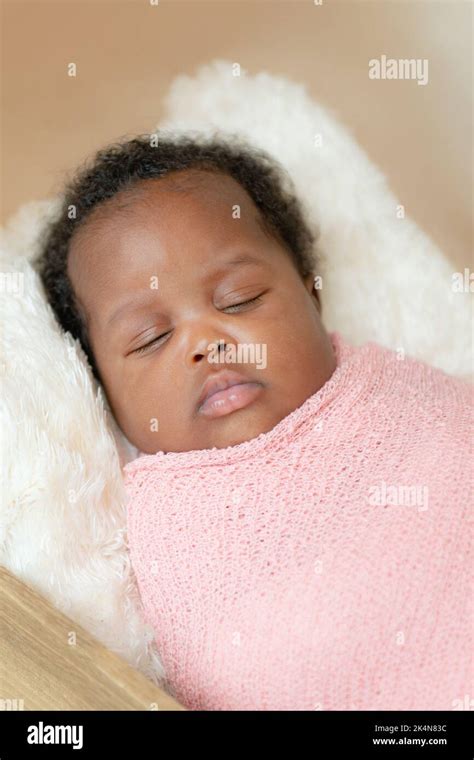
pixel 325 564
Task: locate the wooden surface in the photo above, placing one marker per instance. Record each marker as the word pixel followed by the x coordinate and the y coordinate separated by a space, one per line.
pixel 42 670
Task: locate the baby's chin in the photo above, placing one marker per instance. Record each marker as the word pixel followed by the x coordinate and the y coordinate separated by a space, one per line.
pixel 222 432
pixel 240 432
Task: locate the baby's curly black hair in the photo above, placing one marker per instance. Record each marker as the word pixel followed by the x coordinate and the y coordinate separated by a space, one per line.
pixel 120 166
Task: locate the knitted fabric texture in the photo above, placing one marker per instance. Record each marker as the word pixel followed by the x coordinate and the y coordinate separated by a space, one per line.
pixel 325 564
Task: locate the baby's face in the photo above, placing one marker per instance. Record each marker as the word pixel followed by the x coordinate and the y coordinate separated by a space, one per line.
pixel 165 266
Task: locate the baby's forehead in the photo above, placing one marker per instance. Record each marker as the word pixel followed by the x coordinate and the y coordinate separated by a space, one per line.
pixel 178 190
pixel 202 202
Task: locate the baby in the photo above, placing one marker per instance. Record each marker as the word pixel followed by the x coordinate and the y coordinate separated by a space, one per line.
pixel 298 514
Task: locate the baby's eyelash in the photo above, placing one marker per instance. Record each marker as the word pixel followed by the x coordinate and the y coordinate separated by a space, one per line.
pixel 244 303
pixel 147 345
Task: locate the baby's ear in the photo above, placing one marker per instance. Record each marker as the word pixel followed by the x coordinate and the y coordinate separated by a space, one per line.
pixel 309 282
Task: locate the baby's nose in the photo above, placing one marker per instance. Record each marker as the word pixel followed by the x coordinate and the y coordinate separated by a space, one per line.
pixel 205 348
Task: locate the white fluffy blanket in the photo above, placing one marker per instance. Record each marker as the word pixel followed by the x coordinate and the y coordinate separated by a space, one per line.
pixel 62 513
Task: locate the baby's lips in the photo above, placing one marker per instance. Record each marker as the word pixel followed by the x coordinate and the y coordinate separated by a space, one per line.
pixel 230 399
pixel 220 381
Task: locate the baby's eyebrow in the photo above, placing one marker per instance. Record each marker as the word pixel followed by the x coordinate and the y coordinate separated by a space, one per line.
pixel 149 296
pixel 242 259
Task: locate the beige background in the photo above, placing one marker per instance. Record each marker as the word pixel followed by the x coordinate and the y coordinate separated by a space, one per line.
pixel 128 52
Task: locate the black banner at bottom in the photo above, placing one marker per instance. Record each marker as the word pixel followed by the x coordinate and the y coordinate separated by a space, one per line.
pixel 414 734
